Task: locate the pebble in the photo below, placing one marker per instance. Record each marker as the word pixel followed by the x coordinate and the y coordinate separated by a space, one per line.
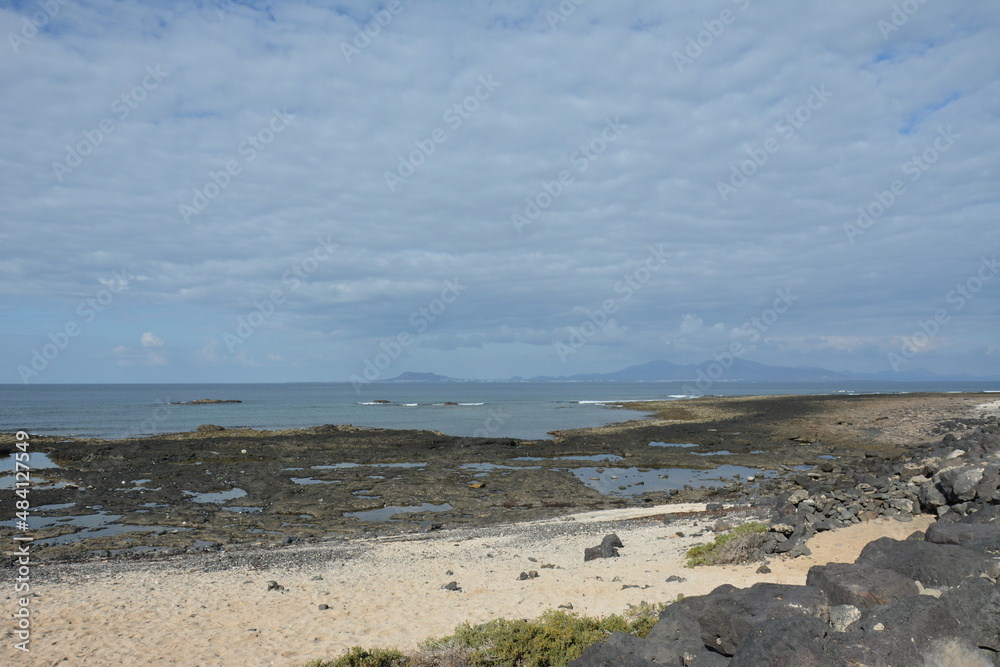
pixel 324 607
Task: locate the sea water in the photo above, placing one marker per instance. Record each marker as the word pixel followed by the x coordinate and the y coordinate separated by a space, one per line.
pixel 486 409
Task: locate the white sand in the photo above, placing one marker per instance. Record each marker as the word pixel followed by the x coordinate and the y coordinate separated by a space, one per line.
pixel 380 593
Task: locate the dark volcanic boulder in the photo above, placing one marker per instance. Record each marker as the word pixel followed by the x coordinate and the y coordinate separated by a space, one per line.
pixel 607 549
pixel 679 629
pixel 986 514
pixel 788 642
pixel 930 564
pixel 727 614
pixel 607 654
pixel 959 484
pixel 913 621
pixel 860 585
pixel 975 605
pixel 960 533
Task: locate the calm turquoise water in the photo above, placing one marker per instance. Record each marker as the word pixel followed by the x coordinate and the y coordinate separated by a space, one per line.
pixel 497 409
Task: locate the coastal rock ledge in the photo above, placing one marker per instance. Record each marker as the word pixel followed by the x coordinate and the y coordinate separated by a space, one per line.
pixel 928 601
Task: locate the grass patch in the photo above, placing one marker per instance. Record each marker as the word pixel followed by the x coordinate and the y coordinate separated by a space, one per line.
pixel 552 640
pixel 740 545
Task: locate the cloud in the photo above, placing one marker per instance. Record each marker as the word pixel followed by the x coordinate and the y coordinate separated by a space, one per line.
pixel 149 339
pixel 810 116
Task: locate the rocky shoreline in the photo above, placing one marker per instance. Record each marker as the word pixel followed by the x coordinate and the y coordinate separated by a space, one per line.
pixel 931 600
pixel 234 488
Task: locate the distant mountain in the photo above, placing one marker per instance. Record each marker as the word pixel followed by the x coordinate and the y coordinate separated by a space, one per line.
pixel 738 369
pixel 420 377
pixel 733 370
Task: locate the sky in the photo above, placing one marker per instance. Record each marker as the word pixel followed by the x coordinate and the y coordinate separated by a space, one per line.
pixel 222 191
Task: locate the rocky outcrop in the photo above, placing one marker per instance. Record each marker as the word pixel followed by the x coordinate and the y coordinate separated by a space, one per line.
pixel 919 602
pixel 901 603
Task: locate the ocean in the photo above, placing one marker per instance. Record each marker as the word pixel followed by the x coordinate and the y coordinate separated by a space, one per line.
pixel 489 409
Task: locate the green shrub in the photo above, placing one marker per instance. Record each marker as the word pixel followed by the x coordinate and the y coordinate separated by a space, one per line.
pixel 359 657
pixel 552 640
pixel 740 545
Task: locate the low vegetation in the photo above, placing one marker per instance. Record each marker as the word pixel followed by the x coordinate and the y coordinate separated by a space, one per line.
pixel 552 640
pixel 740 545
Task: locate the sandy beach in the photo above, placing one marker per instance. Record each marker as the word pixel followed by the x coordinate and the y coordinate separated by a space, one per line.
pixel 383 592
pixel 242 602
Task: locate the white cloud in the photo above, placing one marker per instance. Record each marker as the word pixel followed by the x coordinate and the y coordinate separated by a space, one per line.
pixel 149 339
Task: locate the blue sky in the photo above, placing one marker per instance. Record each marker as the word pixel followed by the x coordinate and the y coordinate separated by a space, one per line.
pixel 224 191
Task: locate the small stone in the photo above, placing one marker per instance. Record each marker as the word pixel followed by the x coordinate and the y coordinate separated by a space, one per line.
pixel 318 577
pixel 451 586
pixel 763 569
pixel 324 607
pixel 275 586
pixel 532 574
pixel 522 577
pixel 568 605
pixel 674 578
pixel 448 573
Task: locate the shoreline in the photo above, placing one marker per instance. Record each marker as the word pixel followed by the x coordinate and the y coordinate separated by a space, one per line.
pixel 223 489
pixel 384 587
pixel 216 609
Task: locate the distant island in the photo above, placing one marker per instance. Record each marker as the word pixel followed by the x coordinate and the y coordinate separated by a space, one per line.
pixel 726 369
pixel 205 401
